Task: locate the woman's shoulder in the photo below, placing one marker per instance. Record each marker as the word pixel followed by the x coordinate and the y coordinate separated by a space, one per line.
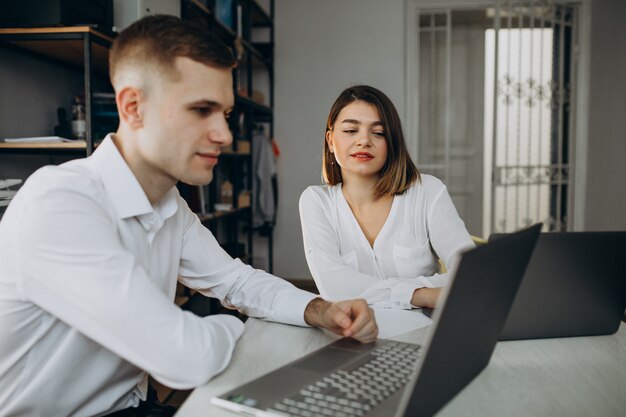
pixel 322 193
pixel 322 190
pixel 427 184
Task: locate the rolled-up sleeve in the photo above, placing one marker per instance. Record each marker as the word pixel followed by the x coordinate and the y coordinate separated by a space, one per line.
pixel 207 268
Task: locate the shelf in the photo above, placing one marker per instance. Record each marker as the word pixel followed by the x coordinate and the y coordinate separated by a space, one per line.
pixel 266 49
pixel 201 7
pixel 42 147
pixel 246 101
pixel 223 30
pixel 232 153
pixel 207 217
pixel 256 53
pixel 62 43
pixel 260 18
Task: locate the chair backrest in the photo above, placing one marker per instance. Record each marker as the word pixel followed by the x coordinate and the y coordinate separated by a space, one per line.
pixel 477 241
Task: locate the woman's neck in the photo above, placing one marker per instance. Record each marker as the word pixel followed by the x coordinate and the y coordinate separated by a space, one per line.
pixel 360 191
pixel 370 210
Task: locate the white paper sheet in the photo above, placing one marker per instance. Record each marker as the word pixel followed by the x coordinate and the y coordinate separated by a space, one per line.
pixel 39 139
pixel 393 322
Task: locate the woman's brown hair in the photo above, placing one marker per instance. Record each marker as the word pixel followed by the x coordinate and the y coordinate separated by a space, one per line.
pixel 399 171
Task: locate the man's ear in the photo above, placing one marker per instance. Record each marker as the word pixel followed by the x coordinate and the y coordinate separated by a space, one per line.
pixel 329 140
pixel 130 107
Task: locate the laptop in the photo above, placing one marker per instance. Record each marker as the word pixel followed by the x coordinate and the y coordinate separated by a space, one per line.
pixel 575 285
pixel 386 378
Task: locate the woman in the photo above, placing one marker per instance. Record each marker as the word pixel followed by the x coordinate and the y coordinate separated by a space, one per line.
pixel 378 228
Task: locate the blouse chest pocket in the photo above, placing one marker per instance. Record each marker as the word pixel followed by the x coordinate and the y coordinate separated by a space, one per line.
pixel 350 260
pixel 414 261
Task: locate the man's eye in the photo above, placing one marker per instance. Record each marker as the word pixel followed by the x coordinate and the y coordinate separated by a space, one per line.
pixel 202 111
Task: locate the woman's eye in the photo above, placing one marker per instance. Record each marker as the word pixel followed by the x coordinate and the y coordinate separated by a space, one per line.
pixel 380 134
pixel 349 131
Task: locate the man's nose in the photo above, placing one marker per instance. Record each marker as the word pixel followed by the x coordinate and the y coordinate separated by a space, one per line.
pixel 220 133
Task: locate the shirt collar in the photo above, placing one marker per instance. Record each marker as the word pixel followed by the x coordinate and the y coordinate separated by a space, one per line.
pixel 122 187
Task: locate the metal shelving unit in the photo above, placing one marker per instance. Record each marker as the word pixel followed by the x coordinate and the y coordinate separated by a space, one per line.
pixel 247 17
pixel 86 48
pixel 80 46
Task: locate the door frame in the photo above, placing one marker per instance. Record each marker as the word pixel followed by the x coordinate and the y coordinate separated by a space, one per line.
pixel 579 140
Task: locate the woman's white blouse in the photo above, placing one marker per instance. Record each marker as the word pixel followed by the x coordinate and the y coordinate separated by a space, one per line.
pixel 423 225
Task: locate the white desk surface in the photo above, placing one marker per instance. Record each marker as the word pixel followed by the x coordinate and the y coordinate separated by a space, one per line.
pixel 581 376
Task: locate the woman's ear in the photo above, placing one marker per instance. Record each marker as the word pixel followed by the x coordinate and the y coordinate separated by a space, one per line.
pixel 329 140
pixel 130 107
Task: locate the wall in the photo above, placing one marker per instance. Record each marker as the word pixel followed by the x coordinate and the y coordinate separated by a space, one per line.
pixel 324 46
pixel 605 207
pixel 31 89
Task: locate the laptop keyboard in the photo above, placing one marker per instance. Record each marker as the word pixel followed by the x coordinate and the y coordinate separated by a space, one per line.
pixel 354 392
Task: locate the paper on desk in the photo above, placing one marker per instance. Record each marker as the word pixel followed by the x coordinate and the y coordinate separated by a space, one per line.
pixel 39 139
pixel 393 322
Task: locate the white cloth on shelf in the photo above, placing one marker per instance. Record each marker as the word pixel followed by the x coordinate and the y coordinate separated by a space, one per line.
pixel 422 222
pixel 88 272
pixel 264 169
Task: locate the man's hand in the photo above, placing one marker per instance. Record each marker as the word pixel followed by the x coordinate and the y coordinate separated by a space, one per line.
pixel 350 318
pixel 425 297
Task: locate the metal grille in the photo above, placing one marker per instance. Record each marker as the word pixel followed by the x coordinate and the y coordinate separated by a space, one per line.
pixel 531 114
pixel 502 142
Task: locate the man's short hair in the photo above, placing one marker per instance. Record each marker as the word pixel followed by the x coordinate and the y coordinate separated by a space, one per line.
pixel 156 41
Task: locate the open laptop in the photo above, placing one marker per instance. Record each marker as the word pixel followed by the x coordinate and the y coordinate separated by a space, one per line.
pixel 386 378
pixel 575 285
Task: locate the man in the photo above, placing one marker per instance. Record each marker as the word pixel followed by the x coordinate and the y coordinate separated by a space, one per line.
pixel 90 251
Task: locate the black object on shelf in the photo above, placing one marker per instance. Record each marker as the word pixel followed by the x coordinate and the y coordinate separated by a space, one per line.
pixel 31 13
pixel 63 129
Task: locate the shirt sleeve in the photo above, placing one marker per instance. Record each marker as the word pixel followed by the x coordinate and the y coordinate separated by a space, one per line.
pixel 335 280
pixel 448 236
pixel 207 268
pixel 73 265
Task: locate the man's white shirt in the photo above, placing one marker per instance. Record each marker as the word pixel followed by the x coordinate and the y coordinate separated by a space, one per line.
pixel 88 272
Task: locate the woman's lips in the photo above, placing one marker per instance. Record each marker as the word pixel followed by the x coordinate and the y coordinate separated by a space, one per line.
pixel 362 156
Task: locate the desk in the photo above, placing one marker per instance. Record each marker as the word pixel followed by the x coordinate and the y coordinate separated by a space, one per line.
pixel 582 376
